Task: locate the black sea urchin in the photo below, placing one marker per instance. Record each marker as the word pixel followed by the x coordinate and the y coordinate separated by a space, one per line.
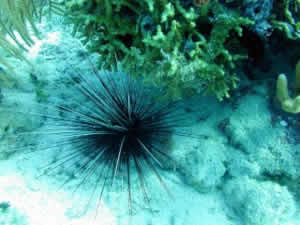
pixel 114 127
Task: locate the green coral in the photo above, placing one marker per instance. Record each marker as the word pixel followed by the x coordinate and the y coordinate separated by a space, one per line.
pixel 183 48
pixel 286 18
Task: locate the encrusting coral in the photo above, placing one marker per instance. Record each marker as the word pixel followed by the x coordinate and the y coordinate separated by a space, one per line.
pixel 289 104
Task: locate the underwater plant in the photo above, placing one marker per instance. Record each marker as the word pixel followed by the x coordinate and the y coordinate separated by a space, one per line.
pixel 18 24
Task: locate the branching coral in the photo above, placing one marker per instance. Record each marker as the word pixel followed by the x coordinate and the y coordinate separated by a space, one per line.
pixel 289 104
pixel 286 18
pixel 182 47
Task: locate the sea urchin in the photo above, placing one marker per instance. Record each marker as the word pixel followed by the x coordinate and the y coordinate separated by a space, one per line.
pixel 114 127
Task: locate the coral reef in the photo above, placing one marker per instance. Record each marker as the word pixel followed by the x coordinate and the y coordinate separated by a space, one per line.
pixel 259 203
pixel 270 157
pixel 245 154
pixel 259 11
pixel 201 169
pixel 286 18
pixel 288 104
pixel 186 48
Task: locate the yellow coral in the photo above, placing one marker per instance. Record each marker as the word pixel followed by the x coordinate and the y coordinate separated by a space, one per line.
pixel 289 104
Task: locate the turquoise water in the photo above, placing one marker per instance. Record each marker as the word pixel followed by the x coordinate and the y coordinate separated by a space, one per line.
pixel 242 166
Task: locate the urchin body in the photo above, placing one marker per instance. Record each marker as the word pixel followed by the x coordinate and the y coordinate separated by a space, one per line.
pixel 117 131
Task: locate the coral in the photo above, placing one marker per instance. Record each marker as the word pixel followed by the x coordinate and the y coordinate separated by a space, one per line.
pixel 259 11
pixel 288 104
pixel 259 203
pixel 263 146
pixel 181 46
pixel 270 15
pixel 286 18
pixel 201 169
